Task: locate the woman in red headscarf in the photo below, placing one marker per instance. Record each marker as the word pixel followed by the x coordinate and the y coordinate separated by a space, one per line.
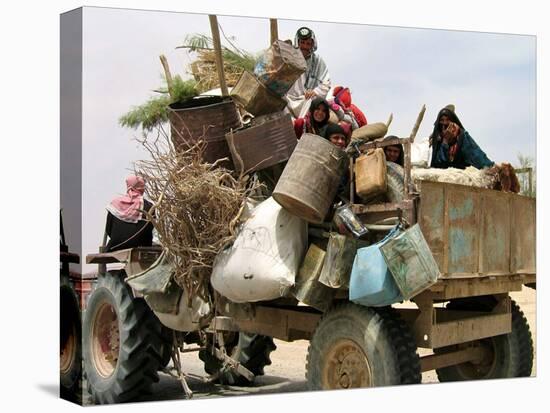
pixel 126 225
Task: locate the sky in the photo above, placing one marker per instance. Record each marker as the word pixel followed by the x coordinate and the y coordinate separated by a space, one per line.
pixel 490 78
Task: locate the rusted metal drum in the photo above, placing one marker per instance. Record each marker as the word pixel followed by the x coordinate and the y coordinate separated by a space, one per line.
pixel 267 141
pixel 310 179
pixel 208 118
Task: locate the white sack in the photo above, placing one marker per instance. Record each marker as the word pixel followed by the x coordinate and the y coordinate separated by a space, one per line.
pixel 421 153
pixel 470 176
pixel 263 261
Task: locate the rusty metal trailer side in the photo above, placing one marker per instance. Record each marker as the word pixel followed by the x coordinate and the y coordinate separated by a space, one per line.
pixel 476 232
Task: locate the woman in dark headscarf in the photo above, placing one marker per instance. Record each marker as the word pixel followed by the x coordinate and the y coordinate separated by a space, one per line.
pixel 315 121
pixel 394 153
pixel 453 147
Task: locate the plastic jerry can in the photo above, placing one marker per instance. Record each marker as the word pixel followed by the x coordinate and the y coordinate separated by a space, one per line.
pixel 370 174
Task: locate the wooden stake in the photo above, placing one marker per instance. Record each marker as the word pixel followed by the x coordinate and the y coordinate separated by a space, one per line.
pixel 168 75
pixel 417 124
pixel 274 30
pixel 218 52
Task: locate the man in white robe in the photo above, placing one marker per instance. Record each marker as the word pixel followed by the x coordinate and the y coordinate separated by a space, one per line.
pixel 315 82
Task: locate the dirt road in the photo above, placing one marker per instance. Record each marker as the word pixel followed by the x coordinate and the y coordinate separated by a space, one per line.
pixel 287 371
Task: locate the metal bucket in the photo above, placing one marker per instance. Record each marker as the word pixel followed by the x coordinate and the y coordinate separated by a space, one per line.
pixel 311 177
pixel 209 118
pixel 269 140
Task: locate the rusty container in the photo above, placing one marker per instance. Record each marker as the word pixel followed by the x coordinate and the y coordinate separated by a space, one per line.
pixel 307 287
pixel 410 262
pixel 266 141
pixel 370 174
pixel 311 177
pixel 339 258
pixel 255 97
pixel 209 118
pixel 280 66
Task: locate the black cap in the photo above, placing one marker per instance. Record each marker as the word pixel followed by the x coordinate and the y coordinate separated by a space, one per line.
pixel 304 33
pixel 333 128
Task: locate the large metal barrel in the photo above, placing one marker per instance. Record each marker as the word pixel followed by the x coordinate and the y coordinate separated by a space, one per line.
pixel 311 177
pixel 208 118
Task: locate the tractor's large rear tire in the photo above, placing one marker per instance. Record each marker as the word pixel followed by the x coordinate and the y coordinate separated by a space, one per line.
pixel 355 346
pixel 123 343
pixel 510 355
pixel 70 340
pixel 251 350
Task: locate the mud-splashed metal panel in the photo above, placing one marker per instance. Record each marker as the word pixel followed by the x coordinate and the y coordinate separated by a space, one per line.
pixel 494 249
pixel 431 219
pixel 523 230
pixel 463 209
pixel 474 231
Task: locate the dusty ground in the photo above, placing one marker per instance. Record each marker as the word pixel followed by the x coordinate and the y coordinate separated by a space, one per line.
pixel 287 371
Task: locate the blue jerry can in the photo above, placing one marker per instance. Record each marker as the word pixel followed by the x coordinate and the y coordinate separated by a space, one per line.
pixel 371 283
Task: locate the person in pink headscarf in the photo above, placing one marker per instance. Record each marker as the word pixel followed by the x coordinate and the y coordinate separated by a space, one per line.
pixel 126 225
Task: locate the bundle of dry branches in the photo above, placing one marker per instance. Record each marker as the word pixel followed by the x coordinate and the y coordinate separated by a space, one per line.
pixel 196 207
pixel 205 73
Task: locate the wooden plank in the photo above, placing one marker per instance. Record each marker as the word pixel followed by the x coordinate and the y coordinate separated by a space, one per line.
pixel 407 169
pixel 284 324
pixel 274 31
pixel 438 361
pixel 218 52
pixel 109 257
pixel 475 328
pixel 382 143
pixel 365 209
pixel 474 286
pixel 69 257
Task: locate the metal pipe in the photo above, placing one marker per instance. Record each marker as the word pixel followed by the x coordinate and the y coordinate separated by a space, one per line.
pixel 374 227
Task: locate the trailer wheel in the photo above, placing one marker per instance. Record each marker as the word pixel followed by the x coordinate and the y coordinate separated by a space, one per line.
pixel 522 334
pixel 510 355
pixel 355 346
pixel 395 178
pixel 122 343
pixel 70 340
pixel 251 350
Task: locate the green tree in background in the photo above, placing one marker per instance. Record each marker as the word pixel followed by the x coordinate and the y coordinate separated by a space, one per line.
pixel 526 162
